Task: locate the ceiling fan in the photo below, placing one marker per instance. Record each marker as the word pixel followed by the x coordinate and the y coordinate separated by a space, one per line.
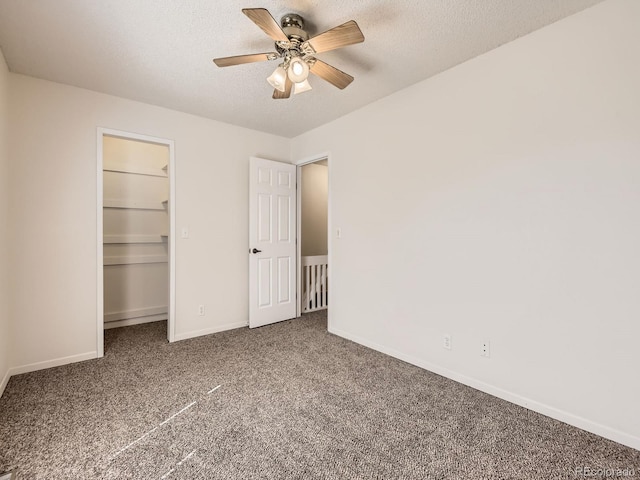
pixel 297 50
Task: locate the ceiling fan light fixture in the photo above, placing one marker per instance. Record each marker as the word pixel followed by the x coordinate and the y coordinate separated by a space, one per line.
pixel 301 87
pixel 278 78
pixel 297 51
pixel 298 70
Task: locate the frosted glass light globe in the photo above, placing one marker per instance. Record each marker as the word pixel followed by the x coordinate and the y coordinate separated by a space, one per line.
pixel 301 87
pixel 298 70
pixel 278 78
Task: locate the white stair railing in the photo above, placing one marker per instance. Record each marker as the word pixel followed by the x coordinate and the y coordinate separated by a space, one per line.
pixel 315 295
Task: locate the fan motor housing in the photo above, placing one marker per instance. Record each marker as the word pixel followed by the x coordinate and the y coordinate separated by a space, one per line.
pixel 293 28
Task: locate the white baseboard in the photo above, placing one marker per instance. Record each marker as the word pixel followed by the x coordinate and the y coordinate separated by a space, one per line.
pixel 56 362
pixel 5 380
pixel 209 331
pixel 127 322
pixel 561 415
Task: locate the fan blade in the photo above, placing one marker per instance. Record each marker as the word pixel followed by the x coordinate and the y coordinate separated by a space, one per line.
pixel 331 74
pixel 288 85
pixel 340 36
pixel 240 59
pixel 262 18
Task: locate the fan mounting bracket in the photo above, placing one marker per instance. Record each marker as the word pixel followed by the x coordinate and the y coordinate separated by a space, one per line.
pixel 292 20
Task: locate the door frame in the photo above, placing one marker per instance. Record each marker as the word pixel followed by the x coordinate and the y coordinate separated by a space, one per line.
pixel 101 133
pixel 299 164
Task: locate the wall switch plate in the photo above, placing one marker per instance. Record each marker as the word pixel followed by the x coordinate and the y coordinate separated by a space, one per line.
pixel 446 341
pixel 485 349
pixel 184 232
pixel 338 233
pixel 201 310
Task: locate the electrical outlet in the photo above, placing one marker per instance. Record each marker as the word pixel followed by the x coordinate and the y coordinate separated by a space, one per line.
pixel 446 341
pixel 485 349
pixel 201 310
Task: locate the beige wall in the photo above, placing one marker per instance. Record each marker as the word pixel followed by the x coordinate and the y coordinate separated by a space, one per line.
pixel 5 329
pixel 53 144
pixel 500 200
pixel 314 193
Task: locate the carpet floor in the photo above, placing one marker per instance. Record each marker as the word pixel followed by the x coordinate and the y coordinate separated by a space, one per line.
pixel 293 402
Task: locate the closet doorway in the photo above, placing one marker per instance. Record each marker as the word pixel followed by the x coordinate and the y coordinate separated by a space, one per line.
pixel 136 241
pixel 313 237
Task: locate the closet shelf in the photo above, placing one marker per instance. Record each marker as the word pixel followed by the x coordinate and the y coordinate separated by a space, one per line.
pixel 134 259
pixel 132 204
pixel 135 169
pixel 133 238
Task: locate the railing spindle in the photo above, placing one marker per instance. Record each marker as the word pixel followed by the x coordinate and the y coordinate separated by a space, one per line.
pixel 314 283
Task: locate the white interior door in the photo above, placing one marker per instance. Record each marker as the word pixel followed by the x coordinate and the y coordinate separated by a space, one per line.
pixel 272 242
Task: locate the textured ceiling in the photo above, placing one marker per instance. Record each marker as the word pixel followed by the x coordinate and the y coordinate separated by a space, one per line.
pixel 161 51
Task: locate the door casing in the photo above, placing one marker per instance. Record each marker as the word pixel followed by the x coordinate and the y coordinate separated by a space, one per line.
pixel 101 132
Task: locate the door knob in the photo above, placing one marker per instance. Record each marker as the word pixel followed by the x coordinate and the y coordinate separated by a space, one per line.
pixel 255 250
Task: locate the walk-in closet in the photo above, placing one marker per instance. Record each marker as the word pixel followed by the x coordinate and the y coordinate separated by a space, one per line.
pixel 135 231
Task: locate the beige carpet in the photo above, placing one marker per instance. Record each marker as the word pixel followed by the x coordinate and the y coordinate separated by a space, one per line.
pixel 294 402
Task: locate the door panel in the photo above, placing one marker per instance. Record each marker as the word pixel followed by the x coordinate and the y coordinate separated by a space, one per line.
pixel 284 275
pixel 264 218
pixel 272 216
pixel 284 214
pixel 264 282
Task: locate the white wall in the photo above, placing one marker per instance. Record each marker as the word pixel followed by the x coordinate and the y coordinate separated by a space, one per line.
pixel 5 330
pixel 500 200
pixel 314 198
pixel 53 198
